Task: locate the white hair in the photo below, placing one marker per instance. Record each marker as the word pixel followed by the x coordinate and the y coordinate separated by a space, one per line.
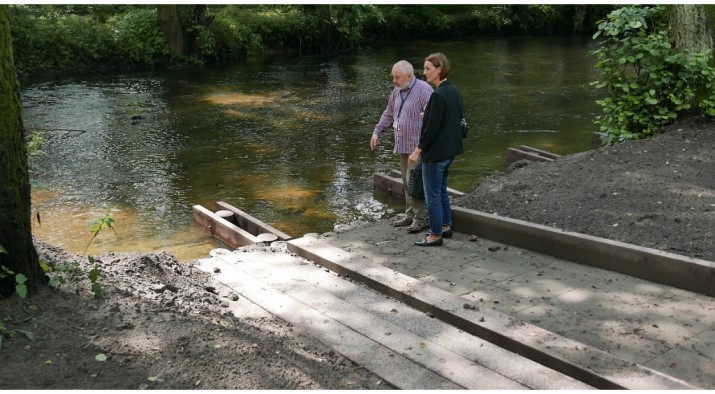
pixel 403 67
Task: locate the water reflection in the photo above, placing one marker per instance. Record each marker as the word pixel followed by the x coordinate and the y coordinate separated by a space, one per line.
pixel 286 140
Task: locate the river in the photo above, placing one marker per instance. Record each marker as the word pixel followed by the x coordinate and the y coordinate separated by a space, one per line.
pixel 286 139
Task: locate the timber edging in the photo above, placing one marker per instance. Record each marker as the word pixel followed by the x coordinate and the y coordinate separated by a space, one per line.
pixel 235 227
pixel 671 269
pixel 575 359
pixel 529 153
pixel 392 183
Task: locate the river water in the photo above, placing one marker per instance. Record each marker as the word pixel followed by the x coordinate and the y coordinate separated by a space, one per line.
pixel 285 139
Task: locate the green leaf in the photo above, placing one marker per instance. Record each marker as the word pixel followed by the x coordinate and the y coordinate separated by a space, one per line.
pixel 21 290
pixel 20 278
pixel 29 334
pixel 2 249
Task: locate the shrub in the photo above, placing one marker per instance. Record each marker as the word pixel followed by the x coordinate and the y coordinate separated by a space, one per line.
pixel 649 83
pixel 138 38
pixel 408 21
pixel 57 42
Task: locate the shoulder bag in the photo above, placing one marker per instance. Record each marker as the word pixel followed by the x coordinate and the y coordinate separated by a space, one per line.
pixel 416 188
pixel 463 122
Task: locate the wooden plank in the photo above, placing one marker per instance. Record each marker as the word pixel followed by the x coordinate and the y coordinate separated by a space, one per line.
pixel 539 152
pixel 513 154
pixel 393 185
pixel 251 224
pixel 389 184
pixel 657 266
pixel 221 228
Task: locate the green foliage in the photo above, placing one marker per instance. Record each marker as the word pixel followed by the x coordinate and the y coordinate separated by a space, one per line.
pixel 649 83
pixel 238 30
pixel 47 38
pixel 36 145
pixel 138 37
pixel 102 223
pixel 94 274
pixel 408 21
pixel 57 42
pixel 21 290
pixel 534 18
pixel 20 279
pixel 8 333
pixel 57 273
pixel 94 37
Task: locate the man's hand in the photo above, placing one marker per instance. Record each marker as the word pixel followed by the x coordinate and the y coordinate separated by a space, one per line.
pixel 373 141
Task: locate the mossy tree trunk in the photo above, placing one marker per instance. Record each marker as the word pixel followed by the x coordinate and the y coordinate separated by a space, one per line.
pixel 170 24
pixel 15 216
pixel 690 27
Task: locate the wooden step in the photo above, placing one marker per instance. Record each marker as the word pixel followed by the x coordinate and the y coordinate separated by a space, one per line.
pixel 405 347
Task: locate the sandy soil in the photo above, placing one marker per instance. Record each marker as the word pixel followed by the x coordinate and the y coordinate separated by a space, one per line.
pixel 166 325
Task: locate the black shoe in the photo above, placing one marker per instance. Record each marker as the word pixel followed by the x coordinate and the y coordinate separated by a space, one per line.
pixel 425 242
pixel 447 234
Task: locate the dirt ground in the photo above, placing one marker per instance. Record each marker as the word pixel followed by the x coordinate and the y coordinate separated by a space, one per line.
pixel 162 324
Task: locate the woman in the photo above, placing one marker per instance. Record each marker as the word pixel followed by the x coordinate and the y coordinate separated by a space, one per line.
pixel 440 142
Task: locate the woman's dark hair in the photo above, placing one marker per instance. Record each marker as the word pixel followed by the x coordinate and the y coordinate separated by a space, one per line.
pixel 439 60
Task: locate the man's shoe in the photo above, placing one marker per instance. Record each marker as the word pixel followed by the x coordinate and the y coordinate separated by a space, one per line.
pixel 425 242
pixel 402 222
pixel 416 227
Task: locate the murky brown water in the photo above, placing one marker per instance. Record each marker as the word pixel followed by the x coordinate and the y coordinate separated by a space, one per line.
pixel 283 139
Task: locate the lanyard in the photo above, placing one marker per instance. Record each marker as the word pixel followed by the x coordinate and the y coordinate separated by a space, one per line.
pixel 402 104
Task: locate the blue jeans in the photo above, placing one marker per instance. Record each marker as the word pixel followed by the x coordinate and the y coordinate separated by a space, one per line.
pixel 439 210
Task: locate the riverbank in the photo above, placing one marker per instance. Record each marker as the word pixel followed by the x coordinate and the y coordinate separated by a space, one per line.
pixel 657 193
pixel 166 325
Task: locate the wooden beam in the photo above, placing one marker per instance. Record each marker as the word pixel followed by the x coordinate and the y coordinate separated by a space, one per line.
pixel 513 154
pixel 539 152
pixel 252 224
pixel 393 185
pixel 222 229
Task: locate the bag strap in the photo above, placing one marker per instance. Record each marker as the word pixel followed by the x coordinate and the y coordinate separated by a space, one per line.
pixel 461 105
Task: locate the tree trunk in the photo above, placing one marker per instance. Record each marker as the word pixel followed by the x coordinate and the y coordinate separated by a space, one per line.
pixel 690 29
pixel 15 213
pixel 323 37
pixel 170 24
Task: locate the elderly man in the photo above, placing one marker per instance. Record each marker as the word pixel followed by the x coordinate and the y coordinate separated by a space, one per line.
pixel 403 113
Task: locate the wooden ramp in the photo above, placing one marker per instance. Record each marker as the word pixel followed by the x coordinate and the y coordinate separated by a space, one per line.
pixel 529 153
pixel 235 227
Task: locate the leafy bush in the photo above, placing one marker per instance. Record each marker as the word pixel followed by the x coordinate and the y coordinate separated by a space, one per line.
pixel 138 37
pixel 649 83
pixel 408 21
pixel 530 18
pixel 57 42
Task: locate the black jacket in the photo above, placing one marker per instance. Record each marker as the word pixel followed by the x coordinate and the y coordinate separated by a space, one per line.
pixel 441 136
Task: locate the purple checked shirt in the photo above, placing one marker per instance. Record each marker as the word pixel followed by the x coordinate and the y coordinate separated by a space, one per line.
pixel 405 109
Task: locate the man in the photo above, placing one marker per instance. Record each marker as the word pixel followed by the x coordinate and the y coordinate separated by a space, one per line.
pixel 403 113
